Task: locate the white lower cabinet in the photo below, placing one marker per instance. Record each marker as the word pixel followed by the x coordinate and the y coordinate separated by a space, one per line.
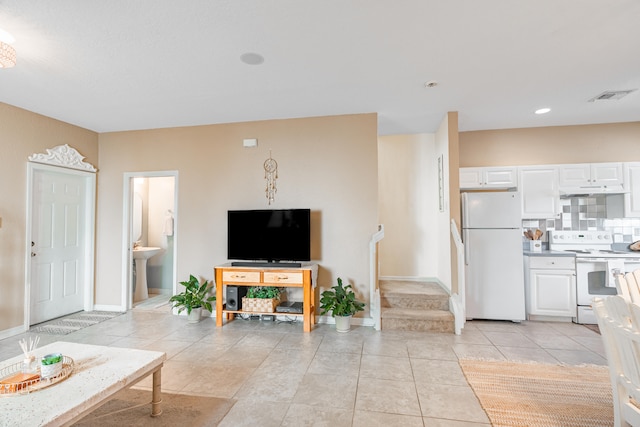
pixel 550 286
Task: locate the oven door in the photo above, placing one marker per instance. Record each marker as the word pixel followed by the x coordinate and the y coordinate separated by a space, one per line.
pixel 594 276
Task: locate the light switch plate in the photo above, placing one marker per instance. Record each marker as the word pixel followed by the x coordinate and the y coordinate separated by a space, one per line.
pixel 249 143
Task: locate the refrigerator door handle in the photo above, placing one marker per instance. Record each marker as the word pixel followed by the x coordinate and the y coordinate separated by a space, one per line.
pixel 465 210
pixel 466 248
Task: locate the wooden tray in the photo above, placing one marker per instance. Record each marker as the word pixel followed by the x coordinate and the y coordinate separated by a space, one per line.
pixel 13 381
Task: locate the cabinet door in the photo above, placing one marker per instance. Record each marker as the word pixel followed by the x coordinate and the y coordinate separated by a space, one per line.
pixel 607 174
pixel 632 184
pixel 503 177
pixel 539 189
pixel 552 293
pixel 578 175
pixel 470 178
pixel 500 177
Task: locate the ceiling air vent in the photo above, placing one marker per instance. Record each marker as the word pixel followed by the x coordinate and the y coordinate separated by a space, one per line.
pixel 611 94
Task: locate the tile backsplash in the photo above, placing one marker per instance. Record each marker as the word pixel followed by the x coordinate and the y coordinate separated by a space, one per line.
pixel 590 213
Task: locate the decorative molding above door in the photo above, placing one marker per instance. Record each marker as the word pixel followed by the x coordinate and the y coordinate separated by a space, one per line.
pixel 64 156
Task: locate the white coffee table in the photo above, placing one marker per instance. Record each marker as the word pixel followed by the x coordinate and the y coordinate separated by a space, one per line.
pixel 100 372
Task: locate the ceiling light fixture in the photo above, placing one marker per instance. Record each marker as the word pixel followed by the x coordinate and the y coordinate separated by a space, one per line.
pixel 7 56
pixel 252 58
pixel 7 52
pixel 543 111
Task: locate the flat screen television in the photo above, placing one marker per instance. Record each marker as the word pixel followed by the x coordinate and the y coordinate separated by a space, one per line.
pixel 269 237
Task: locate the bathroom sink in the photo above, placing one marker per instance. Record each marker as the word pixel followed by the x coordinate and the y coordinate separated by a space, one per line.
pixel 143 252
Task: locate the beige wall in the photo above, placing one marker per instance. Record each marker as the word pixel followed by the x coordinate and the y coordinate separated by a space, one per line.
pixel 442 233
pixel 25 133
pixel 417 242
pixel 408 197
pixel 454 192
pixel 327 164
pixel 551 145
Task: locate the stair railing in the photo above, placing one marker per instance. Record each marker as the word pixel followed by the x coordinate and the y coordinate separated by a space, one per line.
pixel 457 301
pixel 374 271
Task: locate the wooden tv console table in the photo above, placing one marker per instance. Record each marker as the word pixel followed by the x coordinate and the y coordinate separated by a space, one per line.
pixel 303 277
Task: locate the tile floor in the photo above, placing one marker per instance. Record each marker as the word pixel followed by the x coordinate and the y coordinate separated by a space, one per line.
pixel 280 376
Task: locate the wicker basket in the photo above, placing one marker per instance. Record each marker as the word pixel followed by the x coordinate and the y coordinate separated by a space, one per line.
pixel 260 305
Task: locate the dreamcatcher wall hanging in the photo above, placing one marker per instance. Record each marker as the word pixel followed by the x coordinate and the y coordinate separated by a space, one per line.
pixel 271 175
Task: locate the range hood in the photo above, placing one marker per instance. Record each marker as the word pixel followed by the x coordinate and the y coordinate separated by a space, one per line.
pixel 591 191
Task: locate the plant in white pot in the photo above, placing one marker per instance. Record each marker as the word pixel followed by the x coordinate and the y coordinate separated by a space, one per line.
pixel 51 365
pixel 342 303
pixel 193 299
pixel 261 299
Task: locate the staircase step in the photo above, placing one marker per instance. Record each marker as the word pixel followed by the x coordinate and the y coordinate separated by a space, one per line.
pixel 416 295
pixel 408 319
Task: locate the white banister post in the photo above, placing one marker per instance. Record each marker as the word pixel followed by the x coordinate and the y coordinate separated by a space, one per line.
pixel 374 290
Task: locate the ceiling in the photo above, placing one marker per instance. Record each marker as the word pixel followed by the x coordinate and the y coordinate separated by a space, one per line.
pixel 123 65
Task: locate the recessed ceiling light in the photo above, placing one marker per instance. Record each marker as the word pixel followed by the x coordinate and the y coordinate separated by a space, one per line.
pixel 252 58
pixel 543 110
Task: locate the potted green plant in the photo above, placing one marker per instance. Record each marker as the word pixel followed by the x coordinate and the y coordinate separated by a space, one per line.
pixel 51 365
pixel 193 299
pixel 342 303
pixel 261 299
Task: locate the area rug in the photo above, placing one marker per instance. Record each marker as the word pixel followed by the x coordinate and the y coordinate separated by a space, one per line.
pixel 541 395
pixel 73 322
pixel 132 407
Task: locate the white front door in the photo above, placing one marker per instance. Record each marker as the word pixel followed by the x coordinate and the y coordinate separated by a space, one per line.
pixel 58 243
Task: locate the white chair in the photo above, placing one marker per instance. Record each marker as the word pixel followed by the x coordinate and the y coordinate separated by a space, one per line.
pixel 618 321
pixel 628 286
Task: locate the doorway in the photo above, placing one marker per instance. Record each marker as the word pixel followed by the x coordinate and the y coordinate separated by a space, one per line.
pixel 150 219
pixel 60 252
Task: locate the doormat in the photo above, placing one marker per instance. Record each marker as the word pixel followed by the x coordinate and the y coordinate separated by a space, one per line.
pixel 73 322
pixel 541 395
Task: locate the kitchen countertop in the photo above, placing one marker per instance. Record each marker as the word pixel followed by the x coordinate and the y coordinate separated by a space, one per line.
pixel 546 252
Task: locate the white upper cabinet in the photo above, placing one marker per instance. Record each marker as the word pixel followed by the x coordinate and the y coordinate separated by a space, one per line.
pixel 591 175
pixel 632 184
pixel 539 189
pixel 493 177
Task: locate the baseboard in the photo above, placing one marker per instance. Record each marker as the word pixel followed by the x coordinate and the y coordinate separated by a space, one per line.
pixel 8 333
pixel 103 307
pixel 359 321
pixel 160 291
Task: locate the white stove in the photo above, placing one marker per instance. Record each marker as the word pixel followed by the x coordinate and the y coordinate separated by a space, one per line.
pixel 587 244
pixel 597 263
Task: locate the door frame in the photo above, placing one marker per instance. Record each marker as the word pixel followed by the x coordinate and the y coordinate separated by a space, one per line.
pixel 88 233
pixel 126 300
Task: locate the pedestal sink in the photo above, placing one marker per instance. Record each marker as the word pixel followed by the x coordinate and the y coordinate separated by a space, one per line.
pixel 141 254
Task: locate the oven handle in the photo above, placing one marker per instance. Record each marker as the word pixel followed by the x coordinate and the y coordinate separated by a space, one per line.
pixel 607 259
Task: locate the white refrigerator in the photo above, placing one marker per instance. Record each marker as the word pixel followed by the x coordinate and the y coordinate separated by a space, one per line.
pixel 494 271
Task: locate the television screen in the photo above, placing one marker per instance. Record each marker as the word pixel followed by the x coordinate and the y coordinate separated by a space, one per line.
pixel 269 235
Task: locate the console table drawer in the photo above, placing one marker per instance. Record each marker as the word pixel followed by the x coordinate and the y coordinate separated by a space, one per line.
pixel 283 277
pixel 241 276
